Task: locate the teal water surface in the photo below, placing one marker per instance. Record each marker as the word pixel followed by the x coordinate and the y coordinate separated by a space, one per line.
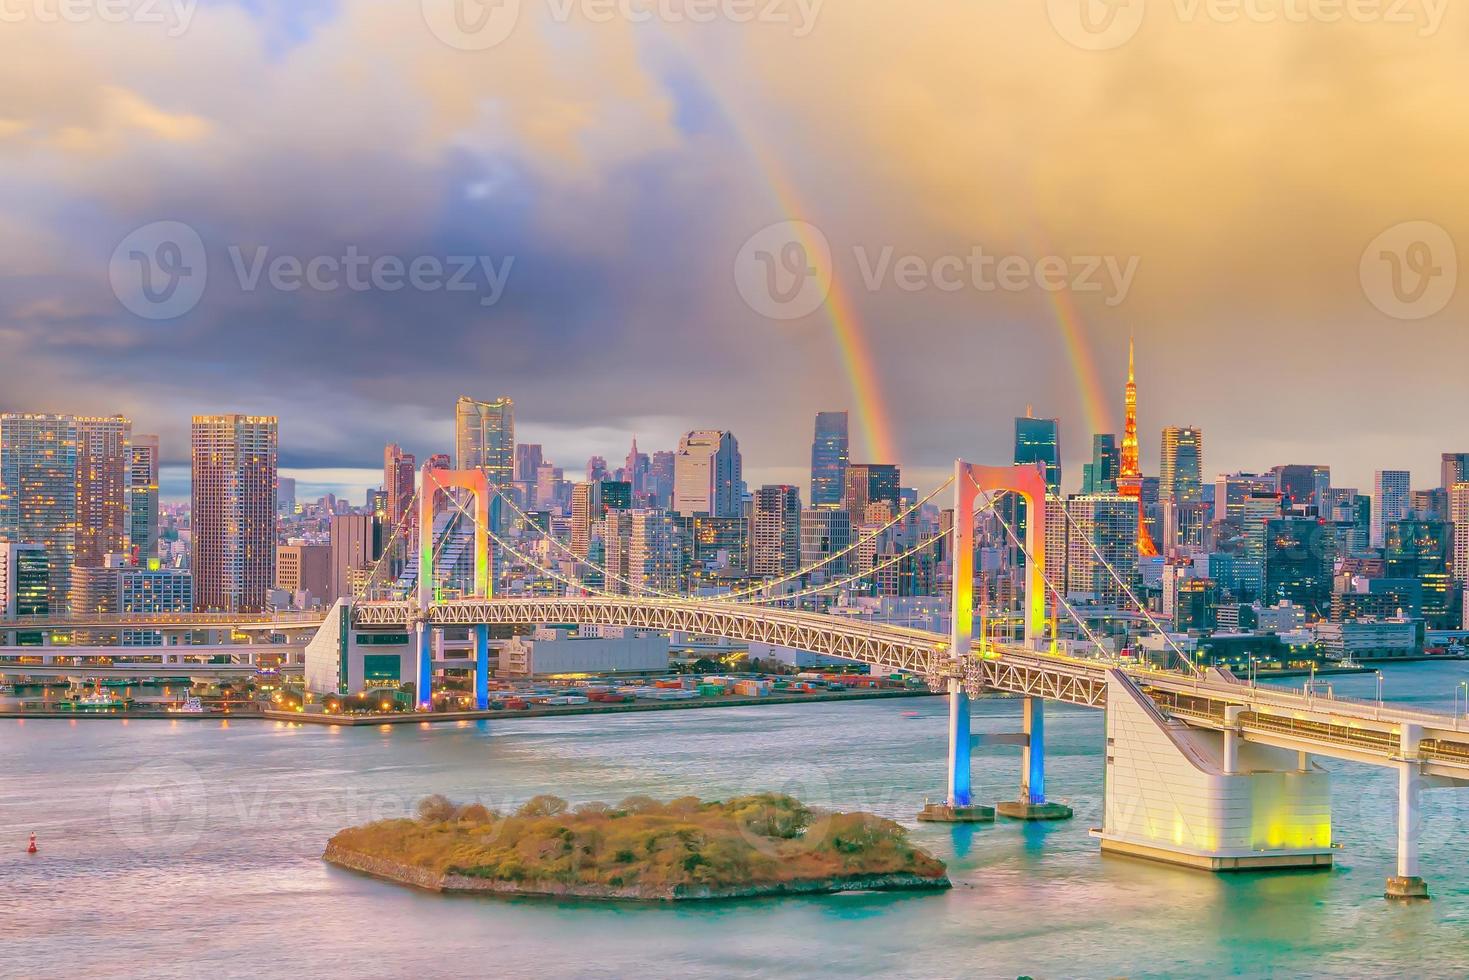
pixel 193 848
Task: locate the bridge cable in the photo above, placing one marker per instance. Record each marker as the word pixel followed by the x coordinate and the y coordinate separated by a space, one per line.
pixel 728 596
pixel 1071 521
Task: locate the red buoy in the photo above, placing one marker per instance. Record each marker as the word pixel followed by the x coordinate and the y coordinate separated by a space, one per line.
pixel 32 848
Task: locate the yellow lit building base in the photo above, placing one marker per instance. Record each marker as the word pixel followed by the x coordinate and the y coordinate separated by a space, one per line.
pixel 1189 797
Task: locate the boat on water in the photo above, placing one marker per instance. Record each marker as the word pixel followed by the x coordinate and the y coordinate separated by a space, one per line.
pixel 94 701
pixel 191 706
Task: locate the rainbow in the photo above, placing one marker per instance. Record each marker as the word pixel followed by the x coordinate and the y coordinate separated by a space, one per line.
pixel 874 423
pixel 1094 404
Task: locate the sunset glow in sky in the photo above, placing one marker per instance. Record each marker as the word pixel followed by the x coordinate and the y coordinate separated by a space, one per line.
pixel 1214 185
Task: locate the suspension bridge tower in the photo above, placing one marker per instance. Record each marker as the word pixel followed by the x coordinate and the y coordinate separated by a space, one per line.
pixel 432 481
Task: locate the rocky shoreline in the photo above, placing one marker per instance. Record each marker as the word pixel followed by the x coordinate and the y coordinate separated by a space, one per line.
pixel 407 874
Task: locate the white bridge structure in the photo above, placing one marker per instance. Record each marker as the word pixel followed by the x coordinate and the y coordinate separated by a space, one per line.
pixel 1202 769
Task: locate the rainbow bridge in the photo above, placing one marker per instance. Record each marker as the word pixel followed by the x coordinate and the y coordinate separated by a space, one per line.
pixel 1202 769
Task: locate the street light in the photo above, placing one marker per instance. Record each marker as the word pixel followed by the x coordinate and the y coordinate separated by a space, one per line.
pixel 1379 692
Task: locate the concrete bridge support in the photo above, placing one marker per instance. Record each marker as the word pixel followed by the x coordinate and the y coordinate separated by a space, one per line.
pixel 424 676
pixel 958 805
pixel 1407 884
pixel 481 667
pixel 1032 803
pixel 1205 799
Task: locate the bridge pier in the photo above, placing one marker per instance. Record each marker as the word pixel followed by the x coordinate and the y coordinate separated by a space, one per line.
pixel 424 644
pixel 959 805
pixel 481 667
pixel 1203 799
pixel 1407 884
pixel 1031 804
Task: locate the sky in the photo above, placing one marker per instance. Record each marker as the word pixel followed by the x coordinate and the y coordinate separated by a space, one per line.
pixel 638 218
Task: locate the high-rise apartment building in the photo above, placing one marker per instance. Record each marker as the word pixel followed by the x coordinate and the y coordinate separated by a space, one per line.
pixel 1459 519
pixel 143 476
pixel 1392 500
pixel 824 532
pixel 104 479
pixel 776 531
pixel 708 474
pixel 657 556
pixel 1110 522
pixel 830 455
pixel 399 471
pixel 233 511
pixel 1180 477
pixel 484 438
pixel 1039 441
pixel 38 494
pixel 589 504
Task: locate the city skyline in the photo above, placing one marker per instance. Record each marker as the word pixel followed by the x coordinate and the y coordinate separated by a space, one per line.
pixel 679 157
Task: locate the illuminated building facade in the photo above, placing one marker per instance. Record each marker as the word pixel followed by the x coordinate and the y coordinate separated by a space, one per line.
pixel 233 511
pixel 38 494
pixel 830 455
pixel 143 498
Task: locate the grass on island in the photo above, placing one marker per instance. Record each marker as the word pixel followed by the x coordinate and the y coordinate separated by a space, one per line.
pixel 764 839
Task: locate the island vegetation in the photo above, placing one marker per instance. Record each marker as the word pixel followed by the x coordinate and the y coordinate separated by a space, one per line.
pixel 641 848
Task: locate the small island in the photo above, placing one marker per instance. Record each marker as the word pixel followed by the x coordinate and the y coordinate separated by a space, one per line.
pixel 640 849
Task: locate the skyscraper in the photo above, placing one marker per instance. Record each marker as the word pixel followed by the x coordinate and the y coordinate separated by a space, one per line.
pixel 660 479
pixel 398 480
pixel 38 494
pixel 1454 469
pixel 1039 441
pixel 1459 519
pixel 1100 475
pixel 1180 478
pixel 1303 486
pixel 104 475
pixel 1392 500
pixel 708 474
pixel 776 531
pixel 484 438
pixel 233 511
pixel 1130 474
pixel 1110 522
pixel 829 458
pixel 143 498
pixel 869 483
pixel 635 469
